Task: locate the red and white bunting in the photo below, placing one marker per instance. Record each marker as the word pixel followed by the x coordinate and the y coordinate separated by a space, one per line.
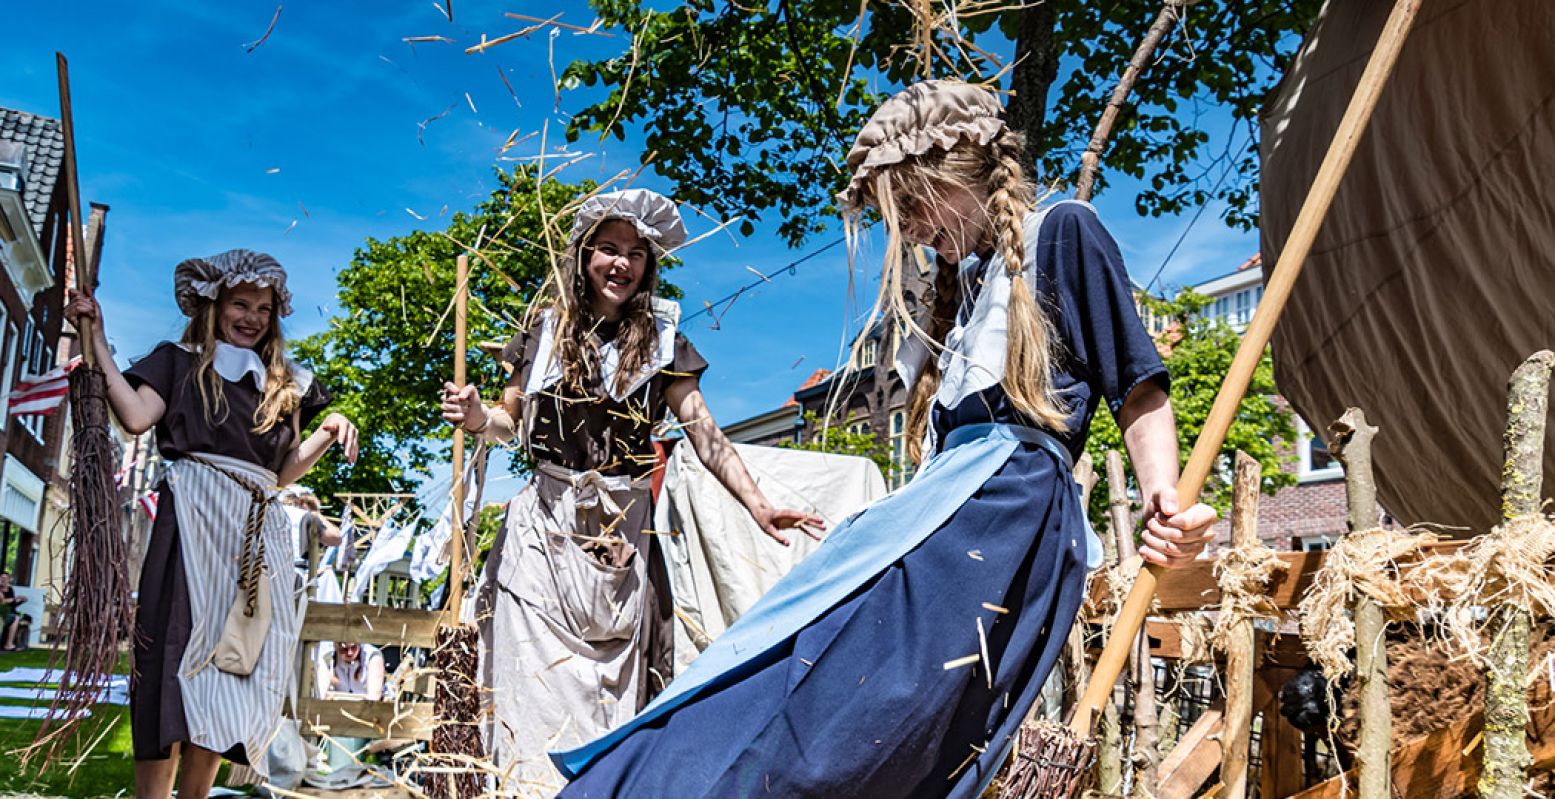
pixel 41 394
pixel 148 503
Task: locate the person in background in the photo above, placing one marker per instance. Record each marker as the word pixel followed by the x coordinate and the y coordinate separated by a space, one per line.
pixel 9 601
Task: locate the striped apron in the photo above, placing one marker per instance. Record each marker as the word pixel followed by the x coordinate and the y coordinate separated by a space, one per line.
pixel 225 710
pixel 562 614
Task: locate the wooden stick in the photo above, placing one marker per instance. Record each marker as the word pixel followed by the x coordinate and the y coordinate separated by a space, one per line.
pixel 456 558
pixel 84 276
pixel 1352 446
pixel 1146 755
pixel 1090 160
pixel 1522 480
pixel 1241 645
pixel 1292 258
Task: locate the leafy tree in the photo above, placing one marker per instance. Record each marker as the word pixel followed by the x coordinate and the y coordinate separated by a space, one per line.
pixel 836 438
pixel 750 107
pixel 1199 353
pixel 390 346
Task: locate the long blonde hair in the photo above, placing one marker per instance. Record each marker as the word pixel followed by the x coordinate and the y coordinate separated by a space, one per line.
pixel 996 169
pixel 281 396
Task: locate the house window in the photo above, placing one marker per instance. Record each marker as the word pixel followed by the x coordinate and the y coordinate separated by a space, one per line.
pixel 8 359
pixel 901 463
pixel 1312 543
pixel 1244 308
pixel 1316 462
pixel 1222 306
pixel 867 353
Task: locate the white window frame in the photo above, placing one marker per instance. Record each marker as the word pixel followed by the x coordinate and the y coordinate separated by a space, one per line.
pixel 901 462
pixel 868 352
pixel 1305 472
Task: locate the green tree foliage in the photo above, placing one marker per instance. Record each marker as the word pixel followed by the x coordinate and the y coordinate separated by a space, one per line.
pixel 836 438
pixel 390 346
pixel 1201 351
pixel 750 107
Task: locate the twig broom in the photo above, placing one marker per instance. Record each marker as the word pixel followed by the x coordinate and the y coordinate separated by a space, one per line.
pixel 1060 755
pixel 95 611
pixel 456 745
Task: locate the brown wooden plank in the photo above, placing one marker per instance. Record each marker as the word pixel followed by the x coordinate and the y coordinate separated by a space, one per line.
pixel 370 624
pixel 346 718
pixel 1166 642
pixel 1193 587
pixel 1281 770
pixel 1193 759
pixel 1435 766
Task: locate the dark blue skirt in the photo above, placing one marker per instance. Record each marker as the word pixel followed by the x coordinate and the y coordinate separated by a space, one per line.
pixel 859 703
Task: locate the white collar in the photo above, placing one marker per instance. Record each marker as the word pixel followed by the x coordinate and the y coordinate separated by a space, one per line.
pixel 233 363
pixel 547 368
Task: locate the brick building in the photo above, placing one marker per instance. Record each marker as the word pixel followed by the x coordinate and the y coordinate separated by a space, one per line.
pixel 34 253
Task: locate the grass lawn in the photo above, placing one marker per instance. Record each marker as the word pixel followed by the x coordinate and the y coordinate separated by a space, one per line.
pixel 106 771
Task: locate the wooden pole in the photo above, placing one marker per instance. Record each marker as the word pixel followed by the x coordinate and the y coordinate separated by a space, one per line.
pixel 1110 771
pixel 456 557
pixel 1146 751
pixel 1256 337
pixel 1522 481
pixel 84 276
pixel 1351 444
pixel 1090 160
pixel 1241 648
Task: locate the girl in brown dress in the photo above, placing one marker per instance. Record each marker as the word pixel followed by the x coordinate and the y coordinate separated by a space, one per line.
pixel 574 603
pixel 228 407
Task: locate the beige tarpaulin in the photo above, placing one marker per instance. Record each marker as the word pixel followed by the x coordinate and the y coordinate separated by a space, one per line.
pixel 1434 273
pixel 720 562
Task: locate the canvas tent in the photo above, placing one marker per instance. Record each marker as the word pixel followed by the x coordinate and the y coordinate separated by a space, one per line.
pixel 1434 273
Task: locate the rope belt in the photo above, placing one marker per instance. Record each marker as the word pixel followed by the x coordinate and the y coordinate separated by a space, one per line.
pixel 251 560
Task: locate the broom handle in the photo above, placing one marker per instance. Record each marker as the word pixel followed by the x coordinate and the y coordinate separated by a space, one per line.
pixel 456 560
pixel 84 278
pixel 1205 450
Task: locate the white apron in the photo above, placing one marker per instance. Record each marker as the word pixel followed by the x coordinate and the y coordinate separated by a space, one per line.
pixel 223 710
pixel 561 611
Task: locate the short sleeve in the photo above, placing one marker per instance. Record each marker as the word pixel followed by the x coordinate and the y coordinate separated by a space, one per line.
pixel 516 357
pixel 688 362
pixel 314 401
pixel 157 369
pixel 1094 298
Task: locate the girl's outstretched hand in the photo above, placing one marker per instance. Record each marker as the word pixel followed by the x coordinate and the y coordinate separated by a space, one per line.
pixel 1174 536
pixel 774 520
pixel 343 432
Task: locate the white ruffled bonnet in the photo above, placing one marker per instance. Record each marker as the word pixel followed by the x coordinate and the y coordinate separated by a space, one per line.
pixel 198 279
pixel 654 215
pixel 924 116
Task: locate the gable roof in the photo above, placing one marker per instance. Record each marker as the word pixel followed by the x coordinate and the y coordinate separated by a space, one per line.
pixel 45 144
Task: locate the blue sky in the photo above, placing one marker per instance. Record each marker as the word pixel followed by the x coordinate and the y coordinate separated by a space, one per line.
pixel 309 144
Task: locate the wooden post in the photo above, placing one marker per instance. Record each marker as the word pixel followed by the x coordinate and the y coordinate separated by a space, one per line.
pixel 1110 771
pixel 1146 758
pixel 1522 481
pixel 1351 444
pixel 1240 644
pixel 456 559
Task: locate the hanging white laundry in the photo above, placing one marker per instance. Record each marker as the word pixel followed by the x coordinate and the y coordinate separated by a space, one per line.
pixel 388 546
pixel 431 552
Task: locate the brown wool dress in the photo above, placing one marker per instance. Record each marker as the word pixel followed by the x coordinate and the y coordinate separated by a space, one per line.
pixel 574 602
pixel 163 618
